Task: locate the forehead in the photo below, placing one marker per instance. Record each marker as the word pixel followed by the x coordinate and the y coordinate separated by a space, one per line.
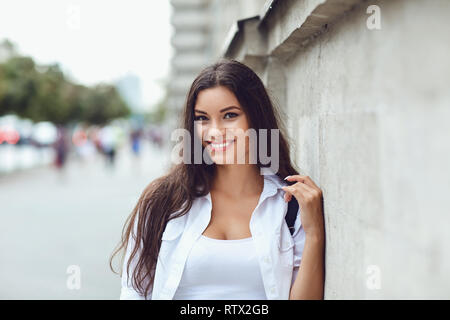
pixel 215 98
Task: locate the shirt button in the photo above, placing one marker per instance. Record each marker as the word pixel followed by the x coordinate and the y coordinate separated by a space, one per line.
pixel 272 290
pixel 266 259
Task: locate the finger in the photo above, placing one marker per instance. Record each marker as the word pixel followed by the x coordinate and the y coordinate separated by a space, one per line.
pixel 295 177
pixel 302 192
pixel 305 179
pixel 287 197
pixel 305 185
pixel 311 183
pixel 307 191
pixel 295 192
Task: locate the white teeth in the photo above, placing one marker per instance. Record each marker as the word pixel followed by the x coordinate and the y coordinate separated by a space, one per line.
pixel 220 145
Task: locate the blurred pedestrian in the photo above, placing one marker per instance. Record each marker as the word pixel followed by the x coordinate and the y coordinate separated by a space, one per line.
pixel 108 141
pixel 135 137
pixel 156 136
pixel 61 148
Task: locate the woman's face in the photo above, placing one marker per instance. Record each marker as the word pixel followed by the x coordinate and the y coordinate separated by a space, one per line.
pixel 221 123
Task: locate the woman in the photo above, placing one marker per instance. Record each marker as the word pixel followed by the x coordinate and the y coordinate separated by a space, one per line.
pixel 215 229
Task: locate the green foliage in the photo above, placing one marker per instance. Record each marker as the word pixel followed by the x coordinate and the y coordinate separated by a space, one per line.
pixel 102 104
pixel 159 114
pixel 42 93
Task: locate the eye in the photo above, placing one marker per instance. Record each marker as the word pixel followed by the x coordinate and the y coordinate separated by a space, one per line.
pixel 197 118
pixel 232 113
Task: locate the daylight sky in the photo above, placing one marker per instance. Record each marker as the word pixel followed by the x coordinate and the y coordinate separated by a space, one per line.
pixel 94 41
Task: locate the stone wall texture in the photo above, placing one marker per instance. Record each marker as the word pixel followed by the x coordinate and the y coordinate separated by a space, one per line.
pixel 369 115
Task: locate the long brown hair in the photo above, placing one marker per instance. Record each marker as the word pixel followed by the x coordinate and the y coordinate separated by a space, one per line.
pixel 172 195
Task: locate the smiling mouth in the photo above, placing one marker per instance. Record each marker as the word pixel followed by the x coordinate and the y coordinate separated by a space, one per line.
pixel 220 146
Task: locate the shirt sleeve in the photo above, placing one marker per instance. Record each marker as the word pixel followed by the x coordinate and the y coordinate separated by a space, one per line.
pixel 127 291
pixel 299 238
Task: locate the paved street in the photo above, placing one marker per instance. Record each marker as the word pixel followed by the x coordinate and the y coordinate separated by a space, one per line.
pixel 51 220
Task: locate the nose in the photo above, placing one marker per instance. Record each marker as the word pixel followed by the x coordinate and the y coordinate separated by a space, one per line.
pixel 215 134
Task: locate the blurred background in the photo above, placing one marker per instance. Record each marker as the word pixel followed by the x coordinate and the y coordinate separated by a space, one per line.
pixel 89 93
pixel 83 91
pixel 91 90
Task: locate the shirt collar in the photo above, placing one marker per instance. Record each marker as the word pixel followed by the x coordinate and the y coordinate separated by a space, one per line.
pixel 272 183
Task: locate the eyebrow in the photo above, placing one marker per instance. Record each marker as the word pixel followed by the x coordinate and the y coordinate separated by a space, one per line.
pixel 223 110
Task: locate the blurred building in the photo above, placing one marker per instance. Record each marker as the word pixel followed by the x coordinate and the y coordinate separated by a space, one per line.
pixel 192 47
pixel 200 31
pixel 129 87
pixel 363 87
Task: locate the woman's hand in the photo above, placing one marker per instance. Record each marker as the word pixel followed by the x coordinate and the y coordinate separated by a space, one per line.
pixel 309 198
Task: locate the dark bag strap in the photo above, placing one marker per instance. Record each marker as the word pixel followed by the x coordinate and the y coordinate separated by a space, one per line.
pixel 291 214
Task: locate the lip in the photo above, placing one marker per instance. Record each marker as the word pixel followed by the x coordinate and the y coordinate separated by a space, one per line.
pixel 214 146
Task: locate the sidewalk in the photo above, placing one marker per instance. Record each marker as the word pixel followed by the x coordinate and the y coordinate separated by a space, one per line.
pixel 51 220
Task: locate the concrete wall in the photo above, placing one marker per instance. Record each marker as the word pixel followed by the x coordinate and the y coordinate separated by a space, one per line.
pixel 369 111
pixel 226 13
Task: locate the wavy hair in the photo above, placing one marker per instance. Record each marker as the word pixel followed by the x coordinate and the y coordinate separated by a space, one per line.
pixel 172 195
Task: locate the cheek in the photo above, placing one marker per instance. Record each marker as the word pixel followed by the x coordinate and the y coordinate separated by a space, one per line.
pixel 240 127
pixel 242 123
pixel 243 141
pixel 199 131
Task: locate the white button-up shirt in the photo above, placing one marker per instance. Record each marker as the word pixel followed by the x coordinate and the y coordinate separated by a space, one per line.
pixel 278 252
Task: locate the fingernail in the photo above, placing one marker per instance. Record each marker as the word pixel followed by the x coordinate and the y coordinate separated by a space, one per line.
pixel 286 177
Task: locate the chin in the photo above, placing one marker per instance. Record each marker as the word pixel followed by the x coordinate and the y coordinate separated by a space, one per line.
pixel 221 160
pixel 227 159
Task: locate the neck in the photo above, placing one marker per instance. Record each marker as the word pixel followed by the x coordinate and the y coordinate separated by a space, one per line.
pixel 238 180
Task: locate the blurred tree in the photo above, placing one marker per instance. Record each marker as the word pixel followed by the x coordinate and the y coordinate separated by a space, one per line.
pixel 19 85
pixel 42 93
pixel 103 104
pixel 48 102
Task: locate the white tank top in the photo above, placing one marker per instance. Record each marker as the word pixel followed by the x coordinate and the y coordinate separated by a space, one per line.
pixel 221 270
